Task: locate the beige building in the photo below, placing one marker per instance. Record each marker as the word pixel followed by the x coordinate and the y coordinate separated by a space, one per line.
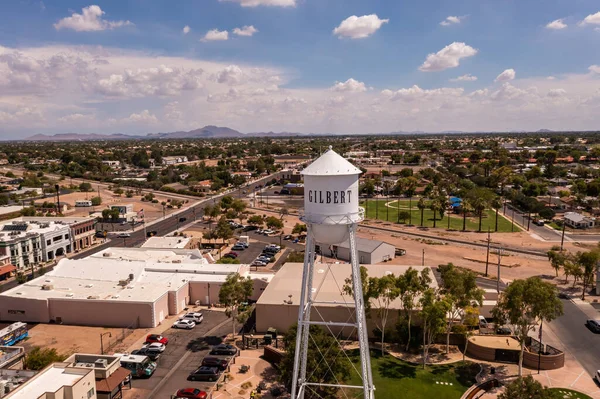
pixel 108 373
pixel 278 305
pixel 168 242
pixel 58 382
pixel 122 287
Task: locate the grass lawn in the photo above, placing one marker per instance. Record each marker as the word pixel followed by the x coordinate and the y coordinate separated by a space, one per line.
pixel 377 209
pixel 570 394
pixel 394 378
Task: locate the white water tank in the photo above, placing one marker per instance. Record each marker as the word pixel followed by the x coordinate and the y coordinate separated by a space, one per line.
pixel 331 197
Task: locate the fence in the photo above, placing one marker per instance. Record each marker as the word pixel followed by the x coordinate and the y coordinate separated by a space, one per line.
pixel 119 337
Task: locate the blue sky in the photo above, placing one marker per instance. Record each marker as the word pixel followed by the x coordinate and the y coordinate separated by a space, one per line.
pixel 295 49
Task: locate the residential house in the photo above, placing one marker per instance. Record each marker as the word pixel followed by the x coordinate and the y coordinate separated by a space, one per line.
pixel 578 221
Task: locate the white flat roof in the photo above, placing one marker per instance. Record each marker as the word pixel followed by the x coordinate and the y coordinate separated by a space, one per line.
pixel 330 278
pixel 16 228
pixel 50 380
pixel 152 254
pixel 166 242
pixel 10 209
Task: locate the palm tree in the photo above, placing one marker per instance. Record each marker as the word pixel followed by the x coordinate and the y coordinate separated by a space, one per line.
pixel 400 187
pixel 479 203
pixel 435 206
pixel 421 205
pixel 496 204
pixel 409 191
pixel 466 208
pixel 444 204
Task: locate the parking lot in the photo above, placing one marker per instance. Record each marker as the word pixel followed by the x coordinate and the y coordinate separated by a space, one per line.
pixel 183 354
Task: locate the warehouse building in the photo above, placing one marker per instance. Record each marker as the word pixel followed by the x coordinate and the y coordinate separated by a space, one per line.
pixel 122 287
pixel 278 305
pixel 369 251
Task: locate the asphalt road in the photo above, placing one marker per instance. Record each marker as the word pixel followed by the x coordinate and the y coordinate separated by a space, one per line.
pixel 183 354
pixel 583 344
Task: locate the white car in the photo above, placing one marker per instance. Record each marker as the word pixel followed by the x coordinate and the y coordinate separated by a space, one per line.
pixel 196 317
pixel 258 263
pixel 124 235
pixel 268 232
pixel 185 324
pixel 155 346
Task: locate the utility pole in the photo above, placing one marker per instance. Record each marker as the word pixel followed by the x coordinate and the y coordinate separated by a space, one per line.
pixel 500 253
pixel 512 226
pixel 423 258
pixel 562 238
pixel 528 219
pixel 487 256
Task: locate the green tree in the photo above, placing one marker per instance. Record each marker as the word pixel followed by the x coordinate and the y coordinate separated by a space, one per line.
pixel 588 262
pixel 40 358
pixel 235 291
pixel 383 291
pixel 496 204
pixel 226 202
pixel 85 187
pixel 528 388
pixel 118 191
pixel 96 201
pixel 326 362
pixel 223 229
pixel 433 319
pixel 410 187
pixel 228 261
pixel 421 205
pixel 299 228
pixel 283 212
pixel 273 223
pixel 29 211
pixel 524 304
pixel 256 220
pixel 460 290
pixel 403 215
pixel 435 207
pixel 411 285
pixel 557 260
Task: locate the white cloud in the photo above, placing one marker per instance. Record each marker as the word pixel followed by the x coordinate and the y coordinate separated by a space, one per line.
pixel 550 77
pixel 215 35
pixel 557 24
pixel 256 3
pixel 144 117
pixel 349 85
pixel 448 57
pixel 89 20
pixel 416 93
pixel 76 118
pixel 359 27
pixel 231 75
pixel 186 30
pixel 557 93
pixel 594 69
pixel 465 78
pixel 452 20
pixel 592 19
pixel 508 74
pixel 245 31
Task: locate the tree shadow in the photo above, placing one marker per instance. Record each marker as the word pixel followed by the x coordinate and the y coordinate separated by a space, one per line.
pixel 392 368
pixel 203 343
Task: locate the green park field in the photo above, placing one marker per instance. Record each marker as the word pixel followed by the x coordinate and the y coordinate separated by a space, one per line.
pixel 387 210
pixel 394 378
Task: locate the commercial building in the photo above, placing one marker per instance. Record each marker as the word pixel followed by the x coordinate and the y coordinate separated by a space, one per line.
pixel 278 305
pixel 122 287
pixel 108 373
pixel 58 382
pixel 369 251
pixel 168 242
pixel 173 160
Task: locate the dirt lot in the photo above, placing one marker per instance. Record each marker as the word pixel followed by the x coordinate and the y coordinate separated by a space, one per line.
pixel 151 211
pixel 71 339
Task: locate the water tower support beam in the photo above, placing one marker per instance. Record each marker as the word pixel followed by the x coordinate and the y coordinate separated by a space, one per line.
pixel 302 334
pixel 361 322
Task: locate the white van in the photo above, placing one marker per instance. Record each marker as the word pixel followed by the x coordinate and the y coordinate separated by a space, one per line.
pixel 196 317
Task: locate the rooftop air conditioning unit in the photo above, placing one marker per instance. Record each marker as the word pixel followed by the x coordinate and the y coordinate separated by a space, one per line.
pixel 176 261
pixel 47 287
pixel 93 297
pixel 101 363
pixel 106 254
pixel 131 276
pixel 123 283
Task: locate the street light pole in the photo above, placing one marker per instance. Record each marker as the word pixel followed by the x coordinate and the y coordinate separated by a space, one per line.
pixel 101 343
pixel 487 256
pixel 423 258
pixel 562 238
pixel 500 250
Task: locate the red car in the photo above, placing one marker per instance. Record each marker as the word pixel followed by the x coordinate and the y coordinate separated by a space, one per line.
pixel 193 393
pixel 151 338
pixel 221 364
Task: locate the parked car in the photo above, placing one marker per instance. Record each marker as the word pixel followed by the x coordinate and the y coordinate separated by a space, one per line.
pixel 123 235
pixel 268 232
pixel 154 346
pixel 151 233
pixel 204 374
pixel 259 231
pixel 193 393
pixel 182 219
pixel 230 255
pixel 219 363
pixel 400 252
pixel 593 325
pixel 237 247
pixel 259 263
pixel 224 349
pixel 101 234
pixel 250 228
pixel 503 331
pixel 242 243
pixel 184 324
pixel 152 354
pixel 538 222
pixel 287 237
pixel 196 317
pixel 157 338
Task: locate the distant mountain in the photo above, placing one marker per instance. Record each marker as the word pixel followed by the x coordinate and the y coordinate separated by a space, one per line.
pixel 78 137
pixel 545 131
pixel 205 132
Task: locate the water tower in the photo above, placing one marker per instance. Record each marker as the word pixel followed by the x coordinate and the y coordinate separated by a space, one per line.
pixel 331 214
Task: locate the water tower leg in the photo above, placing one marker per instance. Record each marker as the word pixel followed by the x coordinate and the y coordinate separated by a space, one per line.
pixel 361 323
pixel 302 333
